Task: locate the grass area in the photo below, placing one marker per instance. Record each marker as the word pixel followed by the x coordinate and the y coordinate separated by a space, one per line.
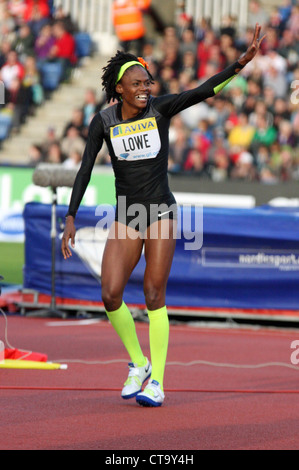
pixel 12 262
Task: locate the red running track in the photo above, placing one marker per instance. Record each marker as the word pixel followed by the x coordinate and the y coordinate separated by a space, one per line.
pixel 206 407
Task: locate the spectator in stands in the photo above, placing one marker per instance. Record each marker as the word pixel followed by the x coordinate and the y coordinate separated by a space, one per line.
pixel 275 20
pixel 204 52
pixel 35 155
pixel 219 163
pixel 286 136
pixel 77 121
pixel 293 21
pixel 241 135
pixel 257 13
pixel 169 41
pixel 5 48
pixel 295 124
pixel 55 154
pixel 254 87
pixel 271 42
pixel 277 81
pixel 232 117
pixel 264 133
pixel 289 50
pixel 178 144
pixel 37 14
pixel 195 162
pixel 260 109
pixel 24 43
pixel 7 27
pixel 244 168
pixel 128 21
pixel 18 99
pixel 89 108
pixel 221 111
pixel 72 142
pixel 189 64
pixel 188 43
pixel 184 23
pixel 32 80
pixel 202 132
pixel 51 138
pixel 288 164
pixel 285 11
pixel 60 15
pixel 11 70
pixel 267 176
pixel 64 48
pixel 228 26
pixel 74 160
pixel 44 44
pixel 17 9
pixel 263 157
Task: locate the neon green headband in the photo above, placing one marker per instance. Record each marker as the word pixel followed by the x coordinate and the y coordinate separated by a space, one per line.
pixel 125 67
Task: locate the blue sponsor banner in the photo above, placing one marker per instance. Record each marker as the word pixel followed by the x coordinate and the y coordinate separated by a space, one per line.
pixel 224 258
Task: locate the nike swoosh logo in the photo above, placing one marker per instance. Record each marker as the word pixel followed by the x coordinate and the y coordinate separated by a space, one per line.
pixel 163 213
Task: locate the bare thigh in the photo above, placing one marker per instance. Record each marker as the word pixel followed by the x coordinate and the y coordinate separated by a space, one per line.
pixel 121 255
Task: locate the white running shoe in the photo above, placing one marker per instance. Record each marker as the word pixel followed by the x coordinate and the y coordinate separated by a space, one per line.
pixel 152 395
pixel 137 377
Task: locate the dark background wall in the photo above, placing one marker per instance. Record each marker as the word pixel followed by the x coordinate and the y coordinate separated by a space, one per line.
pixel 263 193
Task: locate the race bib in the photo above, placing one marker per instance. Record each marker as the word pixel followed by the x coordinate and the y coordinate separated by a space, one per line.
pixel 139 140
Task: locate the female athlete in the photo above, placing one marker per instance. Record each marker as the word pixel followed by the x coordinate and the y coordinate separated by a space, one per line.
pixel 136 132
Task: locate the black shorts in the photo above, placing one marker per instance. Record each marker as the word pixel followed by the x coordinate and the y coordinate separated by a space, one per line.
pixel 140 216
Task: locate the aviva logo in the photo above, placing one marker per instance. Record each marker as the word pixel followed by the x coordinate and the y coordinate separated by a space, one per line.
pixel 116 131
pixel 138 127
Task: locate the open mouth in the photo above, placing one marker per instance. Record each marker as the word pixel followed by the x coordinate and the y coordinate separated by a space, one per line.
pixel 142 97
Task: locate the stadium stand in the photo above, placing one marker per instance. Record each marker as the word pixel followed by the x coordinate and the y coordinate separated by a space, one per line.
pixel 250 132
pixel 38 53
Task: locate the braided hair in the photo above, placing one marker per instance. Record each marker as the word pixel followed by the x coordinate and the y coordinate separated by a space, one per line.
pixel 111 72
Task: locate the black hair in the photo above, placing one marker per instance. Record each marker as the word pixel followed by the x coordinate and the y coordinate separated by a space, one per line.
pixel 111 72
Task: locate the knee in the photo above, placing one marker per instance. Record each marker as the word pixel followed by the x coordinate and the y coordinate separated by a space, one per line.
pixel 111 298
pixel 154 296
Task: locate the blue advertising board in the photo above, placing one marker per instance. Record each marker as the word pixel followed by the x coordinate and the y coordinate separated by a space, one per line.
pixel 224 258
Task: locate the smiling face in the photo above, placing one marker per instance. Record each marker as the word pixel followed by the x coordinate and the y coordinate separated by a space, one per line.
pixel 135 89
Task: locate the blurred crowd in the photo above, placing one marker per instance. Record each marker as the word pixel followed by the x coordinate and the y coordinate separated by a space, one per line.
pixel 249 132
pixel 32 33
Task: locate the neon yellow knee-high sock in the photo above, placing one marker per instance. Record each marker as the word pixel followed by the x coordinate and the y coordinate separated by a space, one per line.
pixel 123 323
pixel 159 338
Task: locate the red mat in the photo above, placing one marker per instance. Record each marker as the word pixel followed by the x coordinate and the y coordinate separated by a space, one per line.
pixel 209 403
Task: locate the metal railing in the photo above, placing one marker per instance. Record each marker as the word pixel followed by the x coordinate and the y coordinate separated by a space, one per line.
pixel 94 16
pixel 217 9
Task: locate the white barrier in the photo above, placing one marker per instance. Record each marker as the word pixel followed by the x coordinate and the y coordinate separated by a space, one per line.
pixel 94 16
pixel 217 9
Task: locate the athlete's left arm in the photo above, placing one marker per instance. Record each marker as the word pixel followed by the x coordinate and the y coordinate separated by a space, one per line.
pixel 170 105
